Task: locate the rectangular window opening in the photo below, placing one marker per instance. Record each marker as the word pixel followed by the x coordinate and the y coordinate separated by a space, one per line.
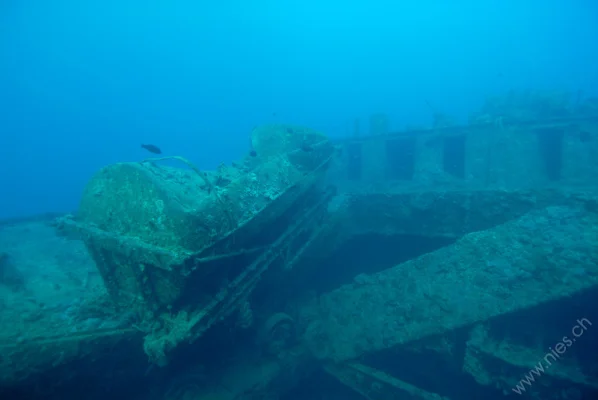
pixel 400 158
pixel 454 155
pixel 550 144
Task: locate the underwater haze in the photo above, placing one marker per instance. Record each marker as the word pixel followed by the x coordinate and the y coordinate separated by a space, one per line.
pixel 84 84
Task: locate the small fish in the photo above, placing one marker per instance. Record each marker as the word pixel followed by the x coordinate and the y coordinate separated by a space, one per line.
pixel 253 153
pixel 151 148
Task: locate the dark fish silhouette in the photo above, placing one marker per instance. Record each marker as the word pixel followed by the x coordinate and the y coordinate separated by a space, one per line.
pixel 151 148
pixel 253 153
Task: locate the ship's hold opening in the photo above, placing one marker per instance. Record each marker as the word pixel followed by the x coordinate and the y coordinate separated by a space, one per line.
pixel 369 254
pixel 567 320
pixel 400 158
pixel 550 144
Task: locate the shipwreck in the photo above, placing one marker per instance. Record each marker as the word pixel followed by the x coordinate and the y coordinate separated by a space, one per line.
pixel 387 265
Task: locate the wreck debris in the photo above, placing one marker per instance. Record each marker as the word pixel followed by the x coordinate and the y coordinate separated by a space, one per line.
pixel 418 299
pixel 182 258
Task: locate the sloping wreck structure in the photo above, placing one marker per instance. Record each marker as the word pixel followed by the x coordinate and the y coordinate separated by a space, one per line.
pixel 453 263
pixel 184 249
